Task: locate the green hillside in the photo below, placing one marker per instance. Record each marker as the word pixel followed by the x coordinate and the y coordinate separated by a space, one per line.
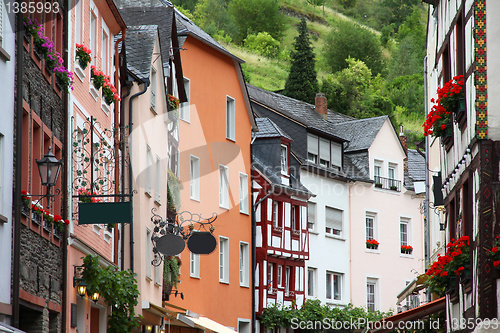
pixel 387 35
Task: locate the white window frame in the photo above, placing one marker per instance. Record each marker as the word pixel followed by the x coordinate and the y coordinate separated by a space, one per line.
pixel 311 281
pixel 407 222
pixel 284 159
pixel 158 274
pixel 377 171
pixel 244 193
pixel 293 218
pixel 149 253
pixel 372 289
pixel 373 217
pixel 244 264
pixel 312 208
pixel 223 186
pixel 280 276
pixel 158 179
pixel 223 259
pixel 312 148
pixel 152 89
pixel 2 140
pixel 94 14
pixel 230 118
pixel 288 279
pixel 276 214
pixel 194 269
pixel 324 145
pixel 149 166
pixel 185 107
pixel 78 5
pixel 334 231
pixel 334 281
pixel 270 275
pixel 194 183
pixel 105 48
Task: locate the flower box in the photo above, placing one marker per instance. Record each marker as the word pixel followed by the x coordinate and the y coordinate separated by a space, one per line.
pixel 406 249
pixel 372 244
pixel 36 218
pixel 379 185
pixel 394 188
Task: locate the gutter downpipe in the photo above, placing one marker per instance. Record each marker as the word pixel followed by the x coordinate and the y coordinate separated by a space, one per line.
pixel 66 171
pixel 16 237
pixel 427 187
pixel 117 139
pixel 122 176
pixel 130 176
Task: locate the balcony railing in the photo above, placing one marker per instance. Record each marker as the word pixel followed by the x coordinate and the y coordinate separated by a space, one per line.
pixel 387 183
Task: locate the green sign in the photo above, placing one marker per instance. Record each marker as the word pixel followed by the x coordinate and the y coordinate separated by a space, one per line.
pixel 104 212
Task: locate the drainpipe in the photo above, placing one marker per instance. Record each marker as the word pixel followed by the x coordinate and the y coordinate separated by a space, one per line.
pixel 130 177
pixel 427 220
pixel 117 138
pixel 66 151
pixel 122 176
pixel 16 236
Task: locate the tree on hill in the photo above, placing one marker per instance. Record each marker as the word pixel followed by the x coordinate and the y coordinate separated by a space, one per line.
pixel 302 83
pixel 352 40
pixel 254 16
pixel 356 93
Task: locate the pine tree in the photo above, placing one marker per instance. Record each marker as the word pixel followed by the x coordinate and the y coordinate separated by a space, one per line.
pixel 302 83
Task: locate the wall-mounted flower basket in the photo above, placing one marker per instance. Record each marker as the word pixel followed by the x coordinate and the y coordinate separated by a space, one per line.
pixel 451 285
pixel 372 244
pixel 406 249
pixel 447 133
pixel 83 55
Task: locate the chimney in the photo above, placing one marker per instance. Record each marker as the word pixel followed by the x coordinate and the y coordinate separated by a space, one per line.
pixel 321 105
pixel 404 142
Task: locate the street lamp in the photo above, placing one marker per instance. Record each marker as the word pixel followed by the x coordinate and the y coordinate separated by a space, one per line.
pixel 49 168
pixel 95 297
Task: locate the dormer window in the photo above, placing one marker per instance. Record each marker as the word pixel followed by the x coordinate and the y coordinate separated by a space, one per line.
pixel 324 152
pixel 284 160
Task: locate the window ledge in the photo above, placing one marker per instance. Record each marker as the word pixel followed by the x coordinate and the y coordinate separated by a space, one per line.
pixel 106 108
pixel 372 251
pixel 335 237
pixel 232 140
pixel 404 255
pixel 4 55
pixel 313 232
pixel 244 286
pixel 195 277
pixel 148 278
pixel 195 199
pixel 93 91
pixel 79 72
pixel 224 282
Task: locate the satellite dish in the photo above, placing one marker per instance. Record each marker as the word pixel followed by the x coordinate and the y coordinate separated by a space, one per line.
pixel 202 243
pixel 170 245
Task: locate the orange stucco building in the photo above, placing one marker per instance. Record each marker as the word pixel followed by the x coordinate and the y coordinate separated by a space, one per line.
pixel 215 167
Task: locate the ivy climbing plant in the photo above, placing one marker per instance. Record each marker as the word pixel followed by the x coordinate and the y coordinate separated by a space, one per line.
pixel 117 288
pixel 276 316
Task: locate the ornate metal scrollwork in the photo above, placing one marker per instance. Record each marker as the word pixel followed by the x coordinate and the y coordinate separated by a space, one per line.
pixel 169 234
pixel 94 158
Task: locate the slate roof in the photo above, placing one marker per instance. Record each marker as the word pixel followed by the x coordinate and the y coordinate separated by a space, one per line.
pixel 186 27
pixel 416 168
pixel 139 46
pixel 359 132
pixel 268 129
pixel 299 111
pixel 151 12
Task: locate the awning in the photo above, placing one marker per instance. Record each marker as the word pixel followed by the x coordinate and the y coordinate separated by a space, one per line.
pixel 410 315
pixel 192 319
pixel 4 328
pixel 415 285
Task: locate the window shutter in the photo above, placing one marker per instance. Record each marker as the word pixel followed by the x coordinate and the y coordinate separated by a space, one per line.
pixel 312 144
pixel 336 149
pixel 333 218
pixel 324 150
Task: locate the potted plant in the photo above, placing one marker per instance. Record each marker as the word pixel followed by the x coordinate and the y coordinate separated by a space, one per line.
pixel 173 102
pixel 37 213
pixel 85 196
pixel 393 187
pixel 455 263
pixel 494 253
pixel 372 244
pixel 25 199
pixel 406 249
pixel 83 55
pixel 379 185
pixel 109 92
pixel 97 77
